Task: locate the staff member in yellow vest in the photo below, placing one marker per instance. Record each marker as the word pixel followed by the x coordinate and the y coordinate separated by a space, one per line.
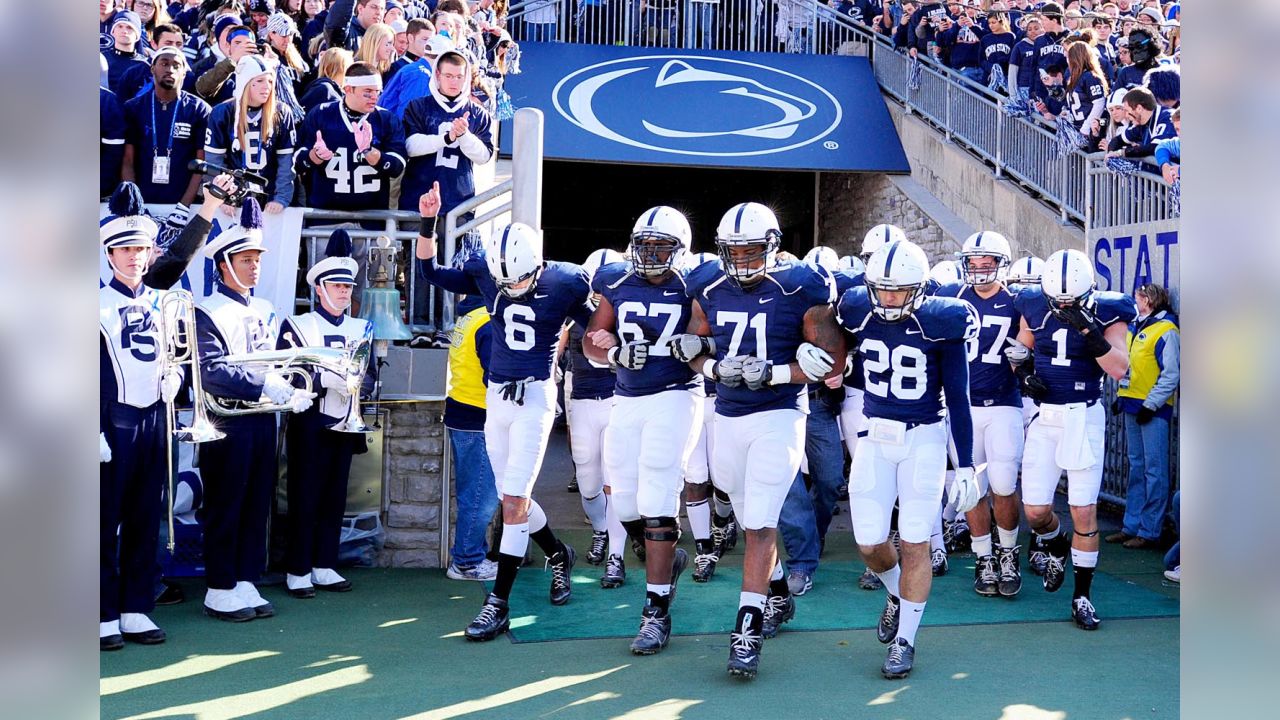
pixel 464 414
pixel 1146 398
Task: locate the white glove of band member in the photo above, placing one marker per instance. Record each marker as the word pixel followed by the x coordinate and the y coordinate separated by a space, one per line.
pixel 632 355
pixel 170 383
pixel 964 494
pixel 104 450
pixel 277 389
pixel 333 381
pixel 1017 353
pixel 729 371
pixel 300 400
pixel 814 361
pixel 687 346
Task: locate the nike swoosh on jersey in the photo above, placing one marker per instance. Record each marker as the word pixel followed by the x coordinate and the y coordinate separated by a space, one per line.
pixel 912 332
pixel 765 300
pixel 997 307
pixel 539 297
pixel 668 293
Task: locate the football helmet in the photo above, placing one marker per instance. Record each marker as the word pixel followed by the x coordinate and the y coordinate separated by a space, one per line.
pixel 693 260
pixel 879 236
pixel 898 266
pixel 823 257
pixel 660 238
pixel 599 258
pixel 945 272
pixel 1025 271
pixel 984 243
pixel 514 256
pixel 852 263
pixel 748 225
pixel 1067 279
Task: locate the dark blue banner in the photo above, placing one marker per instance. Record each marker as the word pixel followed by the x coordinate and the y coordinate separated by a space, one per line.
pixel 711 109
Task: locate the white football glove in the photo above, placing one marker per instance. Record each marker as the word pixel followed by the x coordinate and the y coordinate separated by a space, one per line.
pixel 964 494
pixel 170 383
pixel 686 347
pixel 756 372
pixel 814 361
pixel 632 355
pixel 104 450
pixel 1017 353
pixel 729 371
pixel 277 389
pixel 300 400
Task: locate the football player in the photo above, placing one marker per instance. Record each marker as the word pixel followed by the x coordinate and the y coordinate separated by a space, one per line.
pixel 134 391
pixel 240 469
pixel 1070 335
pixel 529 300
pixel 761 330
pixel 657 404
pixel 876 238
pixel 996 410
pixel 913 355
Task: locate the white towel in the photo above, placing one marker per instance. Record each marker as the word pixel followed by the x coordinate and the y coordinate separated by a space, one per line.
pixel 1074 452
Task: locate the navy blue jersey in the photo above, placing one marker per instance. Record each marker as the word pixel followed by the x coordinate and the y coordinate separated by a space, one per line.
pixel 1142 139
pixel 342 183
pixel 272 159
pixel 965 45
pixel 1061 361
pixel 1024 58
pixel 449 164
pixel 177 132
pixel 654 313
pixel 1087 91
pixel 111 129
pixel 525 334
pixel 991 378
pixel 1130 76
pixel 589 381
pixel 909 365
pixel 765 321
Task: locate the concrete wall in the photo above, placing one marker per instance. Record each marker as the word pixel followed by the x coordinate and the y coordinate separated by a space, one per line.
pixel 414 458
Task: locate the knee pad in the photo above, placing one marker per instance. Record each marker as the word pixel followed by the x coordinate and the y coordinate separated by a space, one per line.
pixel 661 529
pixel 916 520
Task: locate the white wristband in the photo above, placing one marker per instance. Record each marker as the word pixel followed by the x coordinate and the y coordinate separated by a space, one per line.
pixel 780 374
pixel 709 369
pixel 612 356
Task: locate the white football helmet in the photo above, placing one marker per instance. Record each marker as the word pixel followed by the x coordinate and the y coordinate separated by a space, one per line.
pixel 1067 279
pixel 985 243
pixel 659 231
pixel 748 225
pixel 879 236
pixel 599 258
pixel 898 266
pixel 823 257
pixel 853 264
pixel 945 272
pixel 1025 271
pixel 693 260
pixel 514 256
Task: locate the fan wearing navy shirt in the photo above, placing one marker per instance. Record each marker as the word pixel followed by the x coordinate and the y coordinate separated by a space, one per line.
pixel 252 131
pixel 657 405
pixel 997 45
pixel 1151 123
pixel 529 300
pixel 1023 74
pixel 1076 335
pixel 962 45
pixel 1051 53
pixel 996 410
pixel 111 129
pixel 123 54
pixel 913 356
pixel 762 330
pixel 1086 94
pixel 350 150
pixel 165 132
pixel 447 133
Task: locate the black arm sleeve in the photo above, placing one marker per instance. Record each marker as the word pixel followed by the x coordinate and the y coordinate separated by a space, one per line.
pixel 169 267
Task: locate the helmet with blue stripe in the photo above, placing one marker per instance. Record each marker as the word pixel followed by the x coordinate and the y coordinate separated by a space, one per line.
pixel 659 239
pixel 878 237
pixel 984 244
pixel 514 257
pixel 753 231
pixel 899 267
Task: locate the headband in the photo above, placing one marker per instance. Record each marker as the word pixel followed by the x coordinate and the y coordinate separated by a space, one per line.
pixel 363 81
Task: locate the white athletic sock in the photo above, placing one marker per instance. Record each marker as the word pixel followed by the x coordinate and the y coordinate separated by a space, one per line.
pixel 890 579
pixel 659 590
pixel 909 615
pixel 537 517
pixel 595 510
pixel 937 521
pixel 948 512
pixel 515 539
pixel 617 533
pixel 699 512
pixel 1080 558
pixel 1051 534
pixel 750 599
pixel 724 508
pixel 935 542
pixel 982 545
pixel 777 571
pixel 1008 538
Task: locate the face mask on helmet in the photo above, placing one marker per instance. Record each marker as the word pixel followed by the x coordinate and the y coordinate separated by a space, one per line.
pixel 747 263
pixel 1068 281
pixel 514 258
pixel 653 254
pixel 521 287
pixel 895 281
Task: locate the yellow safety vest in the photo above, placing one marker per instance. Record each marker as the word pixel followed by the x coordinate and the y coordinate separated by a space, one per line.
pixel 465 378
pixel 1144 369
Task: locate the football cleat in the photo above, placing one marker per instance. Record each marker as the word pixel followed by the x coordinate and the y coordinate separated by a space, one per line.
pixel 655 631
pixel 887 630
pixel 777 610
pixel 1055 571
pixel 870 581
pixel 637 547
pixel 599 548
pixel 679 561
pixel 704 566
pixel 1010 577
pixel 939 560
pixel 615 573
pixel 730 540
pixel 492 621
pixel 955 535
pixel 1037 556
pixel 986 577
pixel 561 565
pixel 1084 615
pixel 744 652
pixel 899 660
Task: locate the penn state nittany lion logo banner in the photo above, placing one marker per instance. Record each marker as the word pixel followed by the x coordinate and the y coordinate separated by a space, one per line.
pixel 721 109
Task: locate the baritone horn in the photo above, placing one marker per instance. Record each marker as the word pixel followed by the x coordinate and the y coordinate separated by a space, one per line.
pixel 358 352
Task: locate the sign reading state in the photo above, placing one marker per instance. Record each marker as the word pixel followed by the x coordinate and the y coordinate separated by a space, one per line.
pixel 726 109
